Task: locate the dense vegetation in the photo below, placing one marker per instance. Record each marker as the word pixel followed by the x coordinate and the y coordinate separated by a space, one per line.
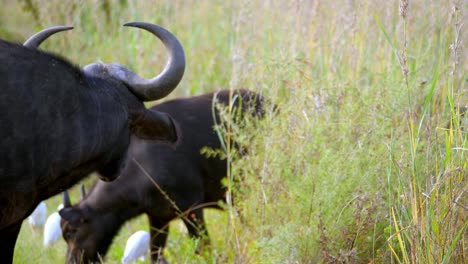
pixel 366 160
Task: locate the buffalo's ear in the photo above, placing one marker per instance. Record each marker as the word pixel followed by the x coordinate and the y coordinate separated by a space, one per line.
pixel 73 216
pixel 153 125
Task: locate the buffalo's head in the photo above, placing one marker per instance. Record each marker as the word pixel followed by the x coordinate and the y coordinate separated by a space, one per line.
pixel 86 232
pixel 114 95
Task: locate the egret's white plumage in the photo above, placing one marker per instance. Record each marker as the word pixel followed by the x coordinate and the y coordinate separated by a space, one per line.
pixel 137 247
pixel 38 216
pixel 52 229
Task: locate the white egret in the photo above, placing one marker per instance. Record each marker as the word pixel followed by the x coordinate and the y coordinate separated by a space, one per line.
pixel 137 247
pixel 52 229
pixel 38 216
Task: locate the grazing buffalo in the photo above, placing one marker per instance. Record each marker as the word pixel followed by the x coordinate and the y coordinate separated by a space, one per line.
pixel 58 123
pixel 160 181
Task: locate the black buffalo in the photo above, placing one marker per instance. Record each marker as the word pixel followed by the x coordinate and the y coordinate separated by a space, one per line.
pixel 159 181
pixel 58 123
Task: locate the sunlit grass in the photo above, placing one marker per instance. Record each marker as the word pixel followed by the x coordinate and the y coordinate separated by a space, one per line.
pixel 366 161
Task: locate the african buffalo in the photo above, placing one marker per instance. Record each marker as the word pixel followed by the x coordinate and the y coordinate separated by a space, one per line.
pixel 58 123
pixel 160 181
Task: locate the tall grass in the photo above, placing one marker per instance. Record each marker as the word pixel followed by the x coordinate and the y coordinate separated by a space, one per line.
pixel 366 161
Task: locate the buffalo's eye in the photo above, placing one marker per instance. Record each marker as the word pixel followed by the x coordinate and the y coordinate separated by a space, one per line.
pixel 68 234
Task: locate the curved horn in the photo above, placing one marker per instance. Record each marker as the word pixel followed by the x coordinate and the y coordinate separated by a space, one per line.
pixel 35 40
pixel 163 84
pixel 66 199
pixel 83 192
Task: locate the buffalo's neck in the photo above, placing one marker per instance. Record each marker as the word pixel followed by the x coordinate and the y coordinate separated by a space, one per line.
pixel 119 198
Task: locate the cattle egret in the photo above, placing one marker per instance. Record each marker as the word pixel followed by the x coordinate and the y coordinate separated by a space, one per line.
pixel 137 247
pixel 38 216
pixel 52 229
